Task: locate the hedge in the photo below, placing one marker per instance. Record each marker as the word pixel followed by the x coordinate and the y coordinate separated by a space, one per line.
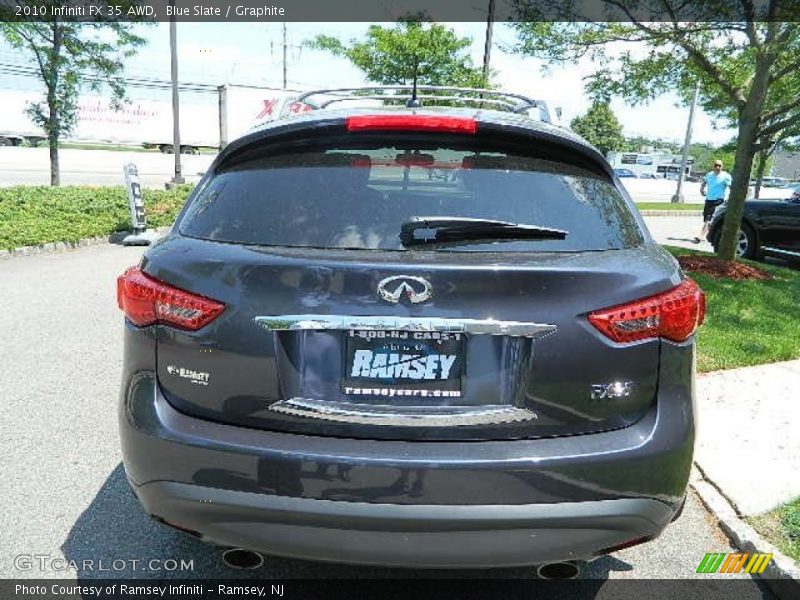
pixel 32 215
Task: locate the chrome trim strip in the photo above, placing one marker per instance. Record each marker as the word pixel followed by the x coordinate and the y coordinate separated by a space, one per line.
pixel 347 322
pixel 405 416
pixel 780 251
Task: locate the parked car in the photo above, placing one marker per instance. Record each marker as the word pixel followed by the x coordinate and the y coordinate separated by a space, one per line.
pixel 622 173
pixel 771 182
pixel 793 189
pixel 647 176
pixel 333 356
pixel 769 227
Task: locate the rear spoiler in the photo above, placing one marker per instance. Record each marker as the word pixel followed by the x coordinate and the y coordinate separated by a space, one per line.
pixel 545 141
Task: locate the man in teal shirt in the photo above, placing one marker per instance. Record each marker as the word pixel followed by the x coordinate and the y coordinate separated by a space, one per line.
pixel 715 185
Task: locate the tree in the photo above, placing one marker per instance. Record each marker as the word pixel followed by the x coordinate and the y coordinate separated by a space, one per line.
pixel 68 56
pixel 390 56
pixel 600 127
pixel 705 154
pixel 745 59
pixel 636 143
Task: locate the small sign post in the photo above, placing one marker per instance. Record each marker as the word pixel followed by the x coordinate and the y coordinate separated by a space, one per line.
pixel 135 198
pixel 140 236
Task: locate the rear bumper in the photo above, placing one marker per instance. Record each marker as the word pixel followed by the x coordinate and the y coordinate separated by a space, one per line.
pixel 432 504
pixel 405 535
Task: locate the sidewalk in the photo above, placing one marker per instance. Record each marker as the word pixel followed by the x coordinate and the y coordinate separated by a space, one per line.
pixel 677 231
pixel 748 441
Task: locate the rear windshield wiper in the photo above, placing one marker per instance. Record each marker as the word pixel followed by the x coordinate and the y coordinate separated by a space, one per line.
pixel 439 231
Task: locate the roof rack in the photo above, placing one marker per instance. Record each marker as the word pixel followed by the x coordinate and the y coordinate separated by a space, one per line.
pixel 515 103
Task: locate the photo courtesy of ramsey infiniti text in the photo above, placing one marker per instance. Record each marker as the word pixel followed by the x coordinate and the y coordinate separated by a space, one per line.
pixel 420 337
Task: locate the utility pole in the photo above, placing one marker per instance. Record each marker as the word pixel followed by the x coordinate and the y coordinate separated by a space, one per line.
pixel 487 48
pixel 286 47
pixel 176 122
pixel 678 197
pixel 284 56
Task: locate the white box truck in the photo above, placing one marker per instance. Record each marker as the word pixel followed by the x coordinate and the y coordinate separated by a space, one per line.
pixel 208 119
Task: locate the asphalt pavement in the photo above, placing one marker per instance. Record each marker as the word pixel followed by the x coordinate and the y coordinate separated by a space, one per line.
pixel 63 488
pixel 678 231
pixel 31 166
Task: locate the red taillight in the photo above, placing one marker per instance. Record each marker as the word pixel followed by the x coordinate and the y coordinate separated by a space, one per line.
pixel 441 124
pixel 146 301
pixel 673 315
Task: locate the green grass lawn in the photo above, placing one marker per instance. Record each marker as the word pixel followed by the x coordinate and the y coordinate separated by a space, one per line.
pixel 748 322
pixel 667 206
pixel 781 527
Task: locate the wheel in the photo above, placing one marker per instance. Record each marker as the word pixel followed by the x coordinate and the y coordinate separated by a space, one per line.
pixel 165 148
pixel 189 150
pixel 746 246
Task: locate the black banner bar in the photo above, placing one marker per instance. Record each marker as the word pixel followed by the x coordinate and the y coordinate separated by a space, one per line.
pixel 392 10
pixel 705 588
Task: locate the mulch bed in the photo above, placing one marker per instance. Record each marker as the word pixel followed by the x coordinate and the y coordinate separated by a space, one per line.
pixel 718 268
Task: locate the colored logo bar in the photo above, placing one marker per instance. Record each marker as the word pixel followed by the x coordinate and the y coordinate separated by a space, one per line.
pixel 722 562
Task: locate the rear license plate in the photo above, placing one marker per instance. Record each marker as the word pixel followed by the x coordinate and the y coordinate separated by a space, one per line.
pixel 403 363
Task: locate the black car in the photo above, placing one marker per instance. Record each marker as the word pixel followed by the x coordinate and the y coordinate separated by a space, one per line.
pixel 769 227
pixel 334 356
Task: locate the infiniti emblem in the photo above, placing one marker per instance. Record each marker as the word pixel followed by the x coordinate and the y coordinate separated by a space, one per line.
pixel 416 289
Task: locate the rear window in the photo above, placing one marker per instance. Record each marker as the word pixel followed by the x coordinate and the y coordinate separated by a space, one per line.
pixel 358 195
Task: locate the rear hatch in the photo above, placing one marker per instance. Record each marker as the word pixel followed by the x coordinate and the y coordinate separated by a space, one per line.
pixel 463 327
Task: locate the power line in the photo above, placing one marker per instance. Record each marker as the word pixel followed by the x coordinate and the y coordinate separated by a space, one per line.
pixel 136 82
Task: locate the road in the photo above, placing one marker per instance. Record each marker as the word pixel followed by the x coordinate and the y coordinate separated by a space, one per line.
pixel 678 231
pixel 31 166
pixel 64 493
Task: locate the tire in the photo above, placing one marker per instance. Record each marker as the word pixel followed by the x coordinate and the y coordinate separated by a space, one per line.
pixel 746 246
pixel 165 148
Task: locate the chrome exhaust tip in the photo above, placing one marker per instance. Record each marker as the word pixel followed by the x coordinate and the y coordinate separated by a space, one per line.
pixel 239 558
pixel 559 570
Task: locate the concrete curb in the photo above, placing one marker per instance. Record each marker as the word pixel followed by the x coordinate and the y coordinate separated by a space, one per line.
pixel 782 575
pixel 53 247
pixel 671 213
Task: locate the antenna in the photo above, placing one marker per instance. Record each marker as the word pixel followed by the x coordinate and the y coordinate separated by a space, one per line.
pixel 414 102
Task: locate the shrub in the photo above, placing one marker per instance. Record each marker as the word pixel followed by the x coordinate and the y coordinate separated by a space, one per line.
pixel 791 520
pixel 37 215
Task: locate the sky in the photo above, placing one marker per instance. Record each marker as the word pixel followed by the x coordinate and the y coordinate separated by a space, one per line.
pixel 251 53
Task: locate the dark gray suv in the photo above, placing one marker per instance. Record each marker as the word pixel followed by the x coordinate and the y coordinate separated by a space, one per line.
pixel 434 337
